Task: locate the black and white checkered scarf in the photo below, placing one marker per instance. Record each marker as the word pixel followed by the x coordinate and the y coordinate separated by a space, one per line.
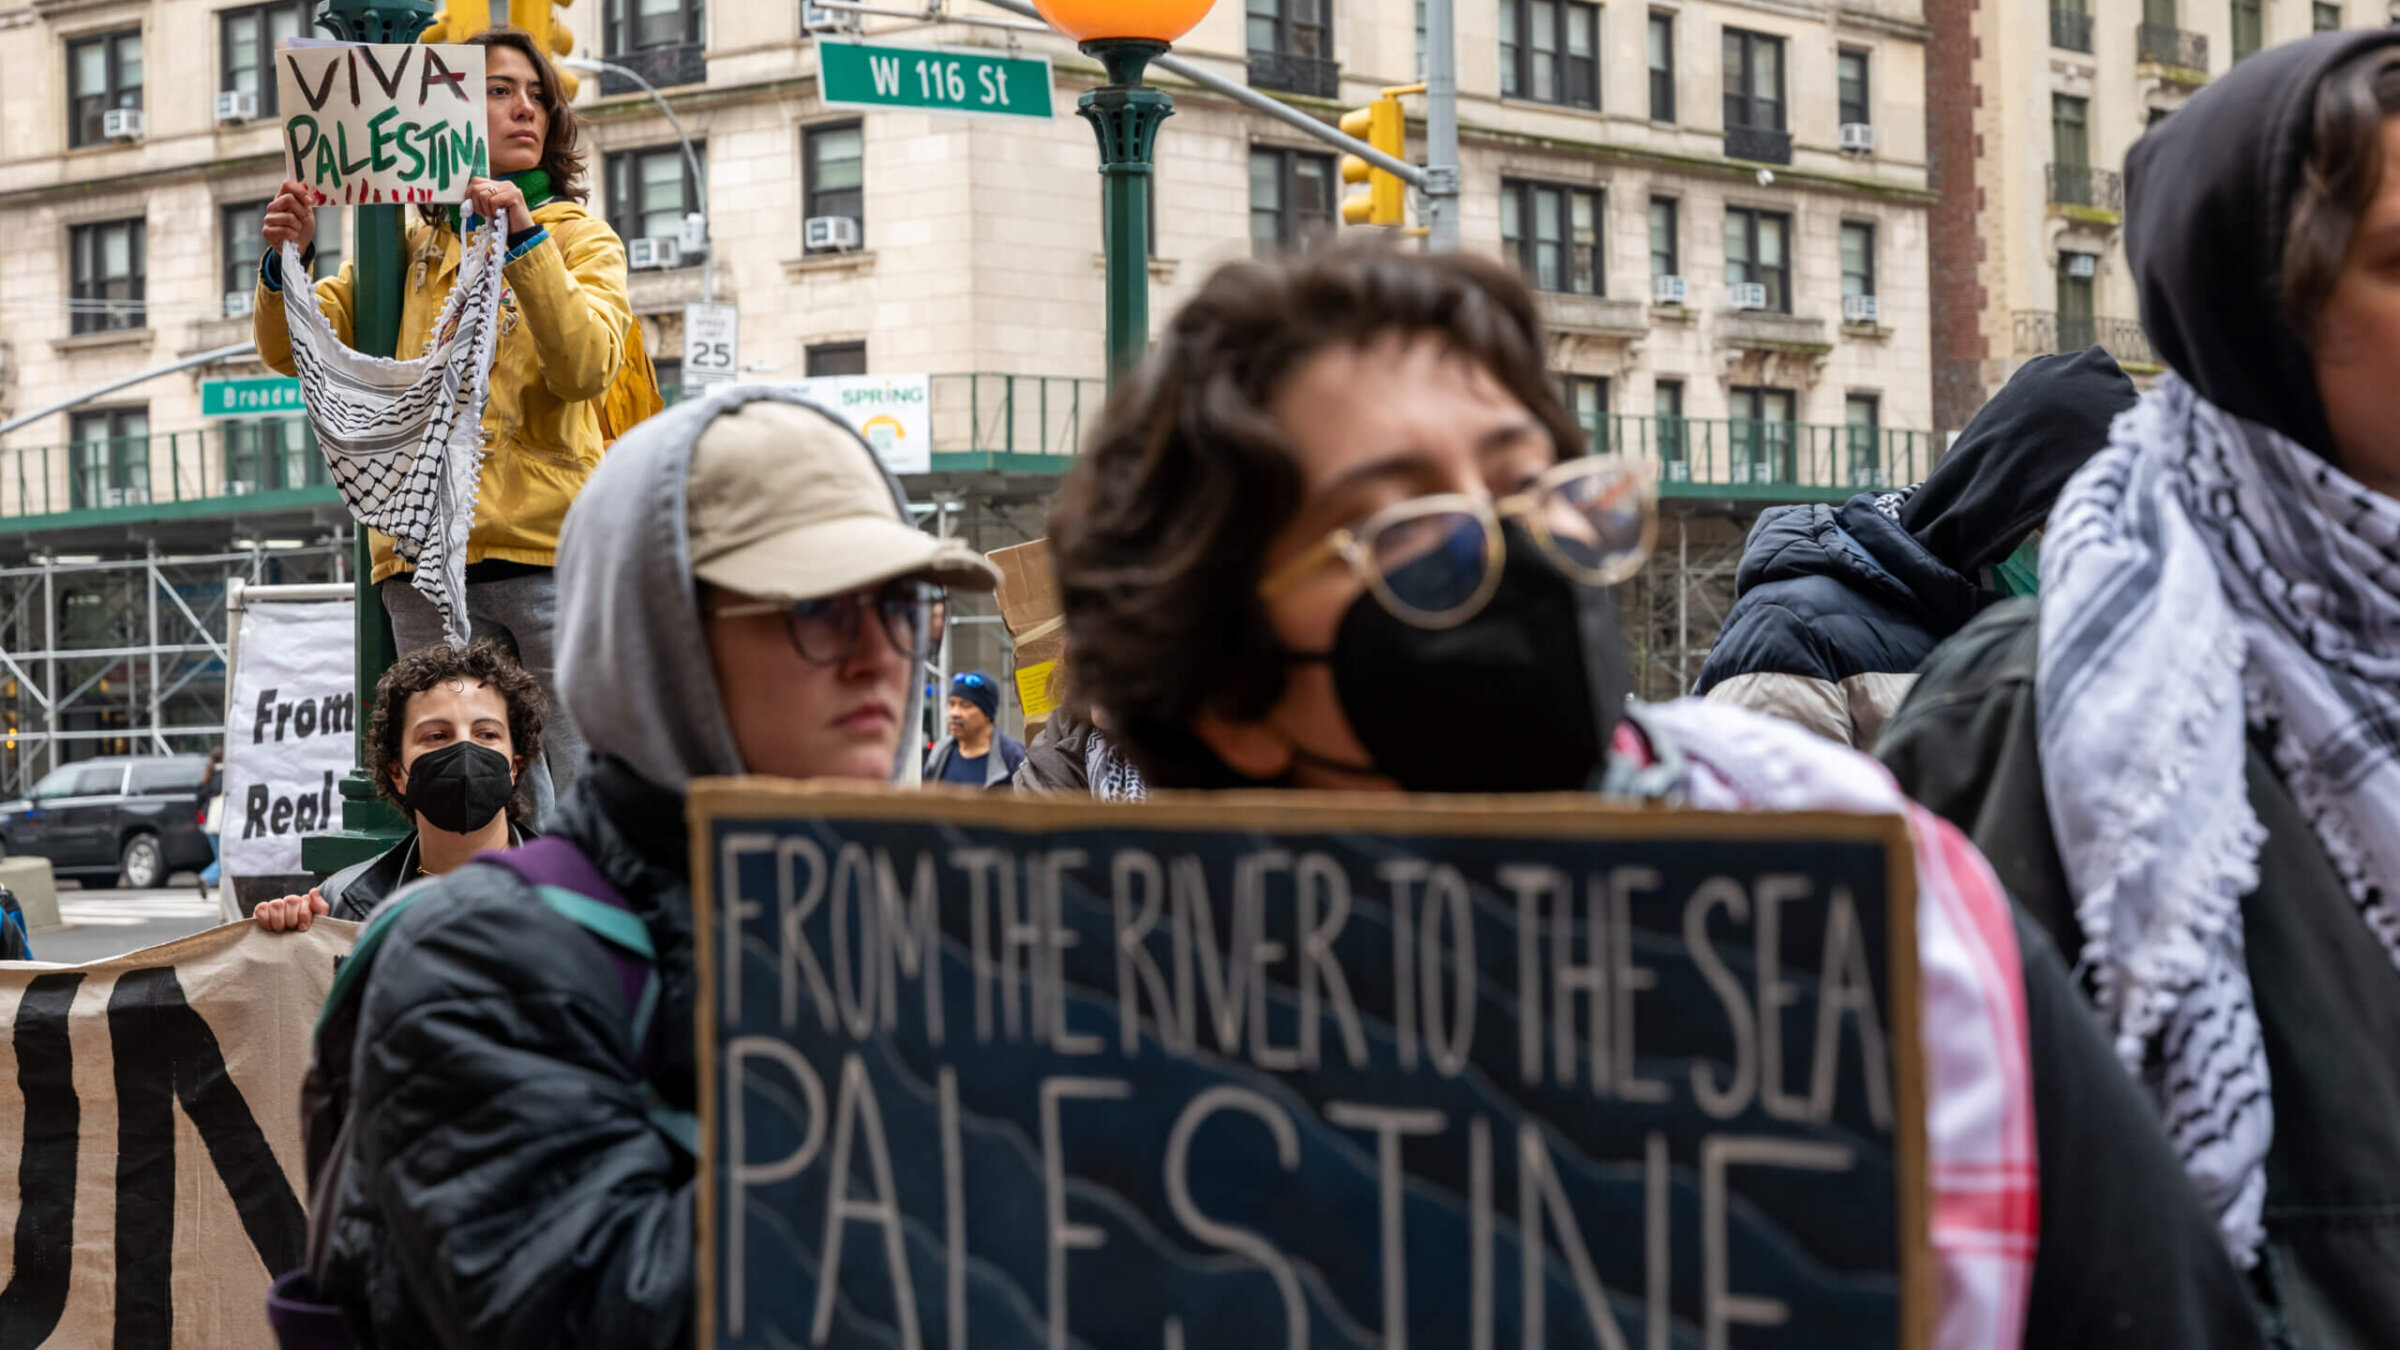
pixel 405 438
pixel 2202 577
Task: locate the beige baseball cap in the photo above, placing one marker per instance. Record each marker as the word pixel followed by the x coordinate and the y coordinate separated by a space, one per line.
pixel 786 504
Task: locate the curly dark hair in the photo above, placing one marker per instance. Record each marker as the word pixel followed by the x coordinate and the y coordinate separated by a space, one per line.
pixel 2339 177
pixel 562 148
pixel 1160 530
pixel 484 663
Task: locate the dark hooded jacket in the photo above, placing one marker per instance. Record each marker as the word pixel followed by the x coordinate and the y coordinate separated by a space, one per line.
pixel 1836 607
pixel 2208 193
pixel 505 1186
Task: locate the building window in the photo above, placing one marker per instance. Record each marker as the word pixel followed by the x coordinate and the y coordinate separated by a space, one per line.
pixel 837 358
pixel 2249 28
pixel 271 453
pixel 106 261
pixel 2324 18
pixel 103 72
pixel 1555 233
pixel 2070 131
pixel 835 170
pixel 1757 252
pixel 1587 398
pixel 650 191
pixel 1549 51
pixel 1662 67
pixel 2078 324
pixel 1421 41
pixel 1753 81
pixel 108 457
pixel 644 25
pixel 1666 405
pixel 669 370
pixel 1291 46
pixel 1858 259
pixel 1850 71
pixel 1761 436
pixel 1666 238
pixel 243 229
pixel 247 38
pixel 1862 421
pixel 1291 200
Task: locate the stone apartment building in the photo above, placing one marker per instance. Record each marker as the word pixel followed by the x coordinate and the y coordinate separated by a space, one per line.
pixel 2043 99
pixel 1725 204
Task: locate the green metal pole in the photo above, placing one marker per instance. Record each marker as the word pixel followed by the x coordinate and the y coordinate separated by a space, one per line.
pixel 379 237
pixel 1125 114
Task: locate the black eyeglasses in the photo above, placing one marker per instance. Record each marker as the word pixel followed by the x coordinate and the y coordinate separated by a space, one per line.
pixel 825 632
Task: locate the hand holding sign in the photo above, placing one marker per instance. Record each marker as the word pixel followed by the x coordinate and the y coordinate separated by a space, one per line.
pixel 382 122
pixel 290 217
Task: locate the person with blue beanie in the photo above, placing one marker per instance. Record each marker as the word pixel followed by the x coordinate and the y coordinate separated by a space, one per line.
pixel 975 753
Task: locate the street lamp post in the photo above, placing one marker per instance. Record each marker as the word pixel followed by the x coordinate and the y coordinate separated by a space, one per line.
pixel 1125 36
pixel 379 235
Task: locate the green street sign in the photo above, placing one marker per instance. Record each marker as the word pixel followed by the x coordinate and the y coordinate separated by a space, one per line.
pixel 265 396
pixel 870 75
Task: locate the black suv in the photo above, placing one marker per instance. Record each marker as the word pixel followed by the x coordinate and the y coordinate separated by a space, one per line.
pixel 134 820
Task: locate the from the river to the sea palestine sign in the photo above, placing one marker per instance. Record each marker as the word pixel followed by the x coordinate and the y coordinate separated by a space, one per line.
pixel 1279 1071
pixel 871 75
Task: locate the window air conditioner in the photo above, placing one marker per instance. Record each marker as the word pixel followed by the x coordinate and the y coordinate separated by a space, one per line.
pixel 692 236
pixel 137 495
pixel 1668 290
pixel 122 124
pixel 653 254
pixel 1859 137
pixel 237 105
pixel 818 19
pixel 237 304
pixel 1747 295
pixel 1859 309
pixel 829 232
pixel 239 487
pixel 2081 264
pixel 1678 471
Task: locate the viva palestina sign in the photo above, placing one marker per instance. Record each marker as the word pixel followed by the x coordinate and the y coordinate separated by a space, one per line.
pixel 894 413
pixel 1281 1071
pixel 148 1110
pixel 290 729
pixel 371 122
pixel 873 75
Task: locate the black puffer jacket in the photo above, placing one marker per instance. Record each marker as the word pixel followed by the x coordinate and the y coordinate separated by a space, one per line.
pixel 505 1188
pixel 1837 608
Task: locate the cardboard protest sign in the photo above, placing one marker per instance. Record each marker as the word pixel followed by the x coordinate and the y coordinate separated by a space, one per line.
pixel 1036 621
pixel 290 736
pixel 149 1109
pixel 375 122
pixel 1278 1070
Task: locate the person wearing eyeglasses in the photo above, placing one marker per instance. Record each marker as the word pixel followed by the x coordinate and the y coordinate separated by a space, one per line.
pixel 1339 532
pixel 975 753
pixel 741 592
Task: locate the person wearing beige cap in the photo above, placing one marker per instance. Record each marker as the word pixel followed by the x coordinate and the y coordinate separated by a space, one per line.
pixel 741 592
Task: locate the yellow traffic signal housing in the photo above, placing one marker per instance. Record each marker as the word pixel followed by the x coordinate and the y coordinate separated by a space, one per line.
pixel 459 20
pixel 1383 125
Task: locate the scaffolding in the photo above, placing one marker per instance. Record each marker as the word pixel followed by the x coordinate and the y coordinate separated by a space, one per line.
pixel 1672 611
pixel 126 655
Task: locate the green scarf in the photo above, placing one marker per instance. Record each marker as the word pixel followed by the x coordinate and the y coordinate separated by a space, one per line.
pixel 534 183
pixel 2020 573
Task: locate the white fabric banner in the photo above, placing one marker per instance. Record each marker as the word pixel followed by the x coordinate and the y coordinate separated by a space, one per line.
pixel 288 733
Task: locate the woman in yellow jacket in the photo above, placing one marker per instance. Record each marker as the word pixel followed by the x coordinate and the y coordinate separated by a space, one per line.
pixel 566 330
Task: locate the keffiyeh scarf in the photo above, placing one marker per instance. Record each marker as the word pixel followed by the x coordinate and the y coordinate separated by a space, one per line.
pixel 405 438
pixel 2204 576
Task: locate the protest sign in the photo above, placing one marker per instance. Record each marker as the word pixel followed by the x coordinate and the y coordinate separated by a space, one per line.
pixel 291 721
pixel 376 122
pixel 1282 1071
pixel 151 1105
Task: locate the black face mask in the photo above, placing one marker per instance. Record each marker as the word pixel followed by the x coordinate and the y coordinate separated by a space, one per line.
pixel 459 788
pixel 1520 698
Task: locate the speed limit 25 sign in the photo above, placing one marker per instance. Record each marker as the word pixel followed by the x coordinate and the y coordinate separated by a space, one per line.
pixel 712 337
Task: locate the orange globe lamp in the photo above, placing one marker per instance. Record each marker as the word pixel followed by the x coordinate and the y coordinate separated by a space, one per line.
pixel 1098 20
pixel 1126 36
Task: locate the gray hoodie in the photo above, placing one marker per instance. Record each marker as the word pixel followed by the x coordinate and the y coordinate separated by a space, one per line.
pixel 633 664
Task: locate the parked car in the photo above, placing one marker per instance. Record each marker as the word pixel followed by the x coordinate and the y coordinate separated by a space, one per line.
pixel 134 820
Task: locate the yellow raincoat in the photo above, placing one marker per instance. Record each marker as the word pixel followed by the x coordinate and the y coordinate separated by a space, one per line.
pixel 566 333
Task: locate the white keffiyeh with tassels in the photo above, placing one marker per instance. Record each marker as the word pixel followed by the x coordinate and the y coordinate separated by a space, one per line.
pixel 405 438
pixel 2201 577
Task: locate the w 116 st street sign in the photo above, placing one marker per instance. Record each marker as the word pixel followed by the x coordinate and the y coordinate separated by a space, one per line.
pixel 870 75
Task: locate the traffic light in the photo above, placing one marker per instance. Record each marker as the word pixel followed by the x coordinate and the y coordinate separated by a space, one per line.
pixel 459 20
pixel 1383 125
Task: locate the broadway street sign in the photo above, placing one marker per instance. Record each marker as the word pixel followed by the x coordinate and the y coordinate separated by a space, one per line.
pixel 871 75
pixel 263 396
pixel 1286 1072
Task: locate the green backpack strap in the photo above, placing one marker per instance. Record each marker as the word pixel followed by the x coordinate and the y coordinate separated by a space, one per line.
pixel 353 970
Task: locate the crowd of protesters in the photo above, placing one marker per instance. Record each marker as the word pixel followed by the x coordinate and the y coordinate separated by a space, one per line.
pixel 1339 532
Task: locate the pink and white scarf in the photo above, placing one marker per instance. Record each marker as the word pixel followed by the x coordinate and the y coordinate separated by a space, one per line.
pixel 1979 1082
